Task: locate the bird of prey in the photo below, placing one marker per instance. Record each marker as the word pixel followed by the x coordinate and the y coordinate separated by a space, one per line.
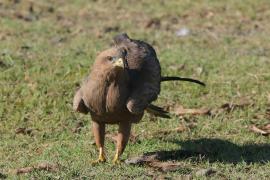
pixel 124 81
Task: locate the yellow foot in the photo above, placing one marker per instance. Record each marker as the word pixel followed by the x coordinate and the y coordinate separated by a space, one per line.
pixel 116 162
pixel 101 159
pixel 116 159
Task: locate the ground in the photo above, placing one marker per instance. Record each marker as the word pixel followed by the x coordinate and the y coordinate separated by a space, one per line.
pixel 47 48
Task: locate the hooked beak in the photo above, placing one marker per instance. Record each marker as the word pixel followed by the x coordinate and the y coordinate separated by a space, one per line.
pixel 119 63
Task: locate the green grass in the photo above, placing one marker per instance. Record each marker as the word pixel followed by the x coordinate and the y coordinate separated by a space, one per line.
pixel 43 60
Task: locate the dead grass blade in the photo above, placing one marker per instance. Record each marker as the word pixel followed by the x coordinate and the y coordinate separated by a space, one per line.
pixel 24 170
pixel 226 107
pixel 165 166
pixel 179 129
pixel 267 127
pixel 231 106
pixel 180 111
pixel 47 167
pixel 152 160
pixel 259 130
pixel 141 159
pixel 42 166
pixel 23 131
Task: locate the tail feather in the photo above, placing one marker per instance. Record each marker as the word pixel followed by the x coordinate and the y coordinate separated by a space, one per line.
pixel 157 111
pixel 175 78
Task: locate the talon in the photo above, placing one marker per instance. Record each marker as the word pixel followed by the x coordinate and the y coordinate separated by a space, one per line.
pixel 116 159
pixel 93 163
pixel 116 162
pixel 101 158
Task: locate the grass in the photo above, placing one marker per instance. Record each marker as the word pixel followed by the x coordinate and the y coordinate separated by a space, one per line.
pixel 46 50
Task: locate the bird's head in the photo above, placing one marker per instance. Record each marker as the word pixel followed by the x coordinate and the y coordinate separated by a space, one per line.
pixel 111 61
pixel 113 58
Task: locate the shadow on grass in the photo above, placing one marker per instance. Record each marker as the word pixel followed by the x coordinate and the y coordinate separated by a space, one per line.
pixel 217 150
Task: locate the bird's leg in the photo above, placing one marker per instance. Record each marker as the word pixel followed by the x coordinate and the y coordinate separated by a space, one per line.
pixel 122 139
pixel 99 134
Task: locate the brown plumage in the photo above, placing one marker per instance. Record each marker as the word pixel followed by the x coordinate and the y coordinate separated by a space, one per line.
pixel 104 94
pixel 144 71
pixel 145 75
pixel 123 82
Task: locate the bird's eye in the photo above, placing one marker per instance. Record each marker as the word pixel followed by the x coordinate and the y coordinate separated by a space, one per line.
pixel 110 58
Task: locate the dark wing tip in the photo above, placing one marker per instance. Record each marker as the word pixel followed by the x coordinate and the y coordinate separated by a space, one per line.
pixel 118 39
pixel 157 111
